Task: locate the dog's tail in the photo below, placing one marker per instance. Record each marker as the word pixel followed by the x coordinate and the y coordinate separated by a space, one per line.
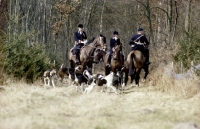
pixel 86 74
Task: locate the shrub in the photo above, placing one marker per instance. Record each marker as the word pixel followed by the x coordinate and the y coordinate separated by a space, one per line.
pixel 25 62
pixel 189 49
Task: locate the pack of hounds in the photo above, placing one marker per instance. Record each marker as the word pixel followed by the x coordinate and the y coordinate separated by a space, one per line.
pixel 84 79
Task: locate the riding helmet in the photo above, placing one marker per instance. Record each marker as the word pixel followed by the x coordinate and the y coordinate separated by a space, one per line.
pixel 115 33
pixel 140 29
pixel 80 26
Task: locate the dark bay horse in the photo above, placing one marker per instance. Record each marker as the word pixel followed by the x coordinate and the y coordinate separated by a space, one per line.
pixel 87 52
pixel 133 65
pixel 99 55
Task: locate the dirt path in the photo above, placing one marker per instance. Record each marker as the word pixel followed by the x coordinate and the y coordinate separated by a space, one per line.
pixel 33 107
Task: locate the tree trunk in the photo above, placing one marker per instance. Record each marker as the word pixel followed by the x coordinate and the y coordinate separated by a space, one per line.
pixel 187 16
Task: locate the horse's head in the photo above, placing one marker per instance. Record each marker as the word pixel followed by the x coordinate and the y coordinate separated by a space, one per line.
pixel 101 41
pixel 116 52
pixel 98 55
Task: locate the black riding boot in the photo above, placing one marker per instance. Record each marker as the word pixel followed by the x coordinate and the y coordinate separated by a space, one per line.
pixel 147 57
pixel 108 60
pixel 122 62
pixel 77 58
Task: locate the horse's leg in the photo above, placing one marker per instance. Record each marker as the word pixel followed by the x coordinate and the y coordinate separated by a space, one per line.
pixel 132 77
pixel 122 84
pixel 137 77
pixel 90 65
pixel 126 76
pixel 107 70
pixel 71 64
pixel 146 70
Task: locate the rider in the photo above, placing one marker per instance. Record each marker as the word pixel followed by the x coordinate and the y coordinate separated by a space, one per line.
pixel 140 42
pixel 80 38
pixel 115 40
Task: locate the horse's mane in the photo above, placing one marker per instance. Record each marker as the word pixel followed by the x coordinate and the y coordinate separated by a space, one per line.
pixel 91 40
pixel 104 38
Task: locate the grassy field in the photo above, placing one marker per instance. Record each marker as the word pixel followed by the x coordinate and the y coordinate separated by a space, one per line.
pixel 157 104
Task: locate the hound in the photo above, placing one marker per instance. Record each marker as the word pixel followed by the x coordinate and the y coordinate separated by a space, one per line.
pixel 80 77
pixel 62 72
pixel 53 77
pixel 101 80
pixel 46 76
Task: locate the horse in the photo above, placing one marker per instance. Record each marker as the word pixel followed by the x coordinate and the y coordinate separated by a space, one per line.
pixel 133 65
pixel 87 52
pixel 99 55
pixel 116 64
pixel 116 60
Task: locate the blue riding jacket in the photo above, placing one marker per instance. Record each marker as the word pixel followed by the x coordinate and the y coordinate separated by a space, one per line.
pixel 78 36
pixel 137 38
pixel 113 43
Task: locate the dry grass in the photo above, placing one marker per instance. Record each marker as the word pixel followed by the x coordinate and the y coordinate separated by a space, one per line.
pixel 160 103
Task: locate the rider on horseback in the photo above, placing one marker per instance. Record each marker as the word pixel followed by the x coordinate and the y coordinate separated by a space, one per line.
pixel 80 38
pixel 140 42
pixel 113 42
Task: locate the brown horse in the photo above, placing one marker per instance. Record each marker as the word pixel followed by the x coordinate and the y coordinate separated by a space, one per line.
pixel 134 63
pixel 116 60
pixel 99 55
pixel 87 52
pixel 116 65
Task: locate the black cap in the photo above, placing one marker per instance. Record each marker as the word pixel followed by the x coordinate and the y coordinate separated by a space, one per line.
pixel 115 33
pixel 140 29
pixel 80 26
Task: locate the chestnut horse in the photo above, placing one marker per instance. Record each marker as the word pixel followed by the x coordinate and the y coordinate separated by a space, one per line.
pixel 116 60
pixel 133 65
pixel 100 55
pixel 87 52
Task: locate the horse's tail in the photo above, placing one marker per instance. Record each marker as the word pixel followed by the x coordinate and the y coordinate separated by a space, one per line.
pixel 131 67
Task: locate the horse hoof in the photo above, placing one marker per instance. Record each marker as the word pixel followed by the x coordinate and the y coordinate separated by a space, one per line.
pixel 143 80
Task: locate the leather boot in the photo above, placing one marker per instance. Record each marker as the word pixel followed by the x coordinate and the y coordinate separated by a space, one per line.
pixel 77 58
pixel 108 60
pixel 147 57
pixel 122 62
